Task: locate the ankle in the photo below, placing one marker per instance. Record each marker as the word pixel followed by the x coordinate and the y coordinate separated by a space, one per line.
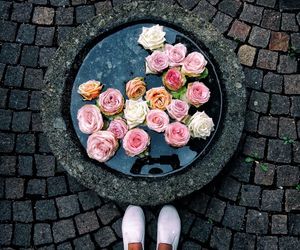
pixel 135 246
pixel 164 246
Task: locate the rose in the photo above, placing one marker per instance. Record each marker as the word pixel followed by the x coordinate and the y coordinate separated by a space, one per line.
pixel 197 93
pixel 178 110
pixel 156 62
pixel 194 64
pixel 90 90
pixel 135 88
pixel 200 125
pixel 157 120
pixel 173 79
pixel 177 134
pixel 152 38
pixel 89 119
pixel 135 112
pixel 111 102
pixel 118 127
pixel 135 142
pixel 158 98
pixel 102 145
pixel 175 53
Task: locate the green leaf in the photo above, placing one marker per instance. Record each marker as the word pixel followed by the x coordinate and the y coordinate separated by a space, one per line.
pixel 264 167
pixel 204 74
pixel 249 159
pixel 179 93
pixel 298 187
pixel 210 221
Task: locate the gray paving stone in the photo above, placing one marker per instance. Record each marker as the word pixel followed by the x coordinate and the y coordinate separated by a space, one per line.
pixel 7 30
pixel 241 170
pixel 63 230
pixel 234 217
pixel 255 147
pixel 36 187
pixel 89 199
pixel 288 243
pixel 33 78
pixel 267 59
pixel 272 82
pixel 250 196
pixel 45 210
pixel 5 210
pixel 229 188
pixel 296 151
pixel 267 242
pixel 21 12
pixel 251 121
pixel 243 241
pixel 259 37
pixel 45 56
pixel 264 177
pixel 5 234
pixel 272 200
pixel 187 4
pixel 3 97
pixel 25 143
pixel 220 238
pixel 22 211
pixel 75 186
pixel 4 10
pixel 289 22
pixel 14 76
pixel 35 100
pixel 8 165
pixel 56 186
pixel 205 9
pixel 18 99
pixel 253 78
pixel 279 152
pixel 287 128
pixel 65 246
pixel 108 213
pixel 7 141
pixel 117 227
pixel 295 109
pixel 84 242
pixel 199 203
pixel 215 210
pixel 267 3
pixel 230 7
pixel 21 121
pixel 14 188
pixel 86 222
pixel 22 234
pixel 259 102
pixel 294 224
pixel 279 224
pixel 292 84
pixel 26 33
pixel 257 222
pixel 10 53
pixel 280 105
pixel 29 56
pixel 44 36
pixel 45 165
pixel 271 19
pixel 201 230
pixel 287 64
pixel 251 13
pixel 67 205
pixel 190 245
pixel 42 234
pixel 292 198
pixel 268 126
pixel 295 41
pixel 222 21
pixel 25 165
pixel 105 236
pixel 59 2
pixel 84 12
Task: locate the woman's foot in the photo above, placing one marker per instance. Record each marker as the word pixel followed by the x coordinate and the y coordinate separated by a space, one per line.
pixel 168 228
pixel 133 228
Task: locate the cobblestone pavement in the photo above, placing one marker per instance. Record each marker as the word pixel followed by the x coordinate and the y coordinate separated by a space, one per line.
pixel 252 205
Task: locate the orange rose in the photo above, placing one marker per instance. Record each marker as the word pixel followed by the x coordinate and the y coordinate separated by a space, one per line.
pixel 90 90
pixel 135 88
pixel 158 98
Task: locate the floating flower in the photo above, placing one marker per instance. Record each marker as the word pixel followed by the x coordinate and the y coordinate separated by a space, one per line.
pixel 111 102
pixel 135 112
pixel 173 79
pixel 102 145
pixel 176 54
pixel 152 38
pixel 156 62
pixel 135 88
pixel 200 125
pixel 90 90
pixel 157 120
pixel 158 98
pixel 89 119
pixel 118 127
pixel 177 134
pixel 178 109
pixel 194 64
pixel 136 142
pixel 197 93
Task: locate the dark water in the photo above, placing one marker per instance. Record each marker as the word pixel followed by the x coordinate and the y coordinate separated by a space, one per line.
pixel 118 58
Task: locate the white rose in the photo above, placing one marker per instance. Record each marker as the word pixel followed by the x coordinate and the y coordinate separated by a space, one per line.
pixel 152 38
pixel 135 112
pixel 200 125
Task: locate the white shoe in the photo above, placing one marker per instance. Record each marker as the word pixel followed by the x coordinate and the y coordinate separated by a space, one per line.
pixel 133 226
pixel 168 227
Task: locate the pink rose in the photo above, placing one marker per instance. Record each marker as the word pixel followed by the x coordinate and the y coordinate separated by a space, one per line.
pixel 157 120
pixel 177 134
pixel 156 62
pixel 197 93
pixel 102 145
pixel 178 109
pixel 175 53
pixel 118 127
pixel 111 102
pixel 136 142
pixel 194 64
pixel 173 79
pixel 89 119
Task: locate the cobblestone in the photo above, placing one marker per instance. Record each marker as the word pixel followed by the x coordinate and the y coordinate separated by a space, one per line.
pixel 279 224
pixel 108 213
pixel 246 55
pixel 250 195
pixel 239 31
pixel 220 238
pixel 22 211
pixel 45 210
pixel 295 109
pixel 43 15
pixel 230 7
pixel 271 19
pixel 287 64
pixel 63 230
pixel 272 82
pixel 259 101
pixel 14 188
pixel 280 105
pixel 84 242
pixel 292 200
pixel 289 22
pixel 254 78
pixel 287 128
pixel 259 37
pixel 268 126
pixel 56 186
pixel 67 206
pixel 279 41
pixel 201 230
pixel 234 217
pixel 264 177
pixel 251 13
pixel 257 222
pixel 243 241
pixel 279 152
pixel 42 234
pixel 267 59
pixel 105 236
pixel 36 187
pixel 22 234
pixel 21 12
pixel 5 119
pixel 267 242
pixel 272 200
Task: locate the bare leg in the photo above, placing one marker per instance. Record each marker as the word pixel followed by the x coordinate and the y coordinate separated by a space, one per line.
pixel 164 246
pixel 135 246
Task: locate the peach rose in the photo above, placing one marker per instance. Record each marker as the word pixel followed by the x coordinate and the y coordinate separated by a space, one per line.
pixel 178 110
pixel 173 79
pixel 156 62
pixel 135 88
pixel 90 90
pixel 111 102
pixel 157 120
pixel 197 93
pixel 102 145
pixel 176 53
pixel 158 98
pixel 136 142
pixel 118 127
pixel 194 64
pixel 177 134
pixel 89 119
